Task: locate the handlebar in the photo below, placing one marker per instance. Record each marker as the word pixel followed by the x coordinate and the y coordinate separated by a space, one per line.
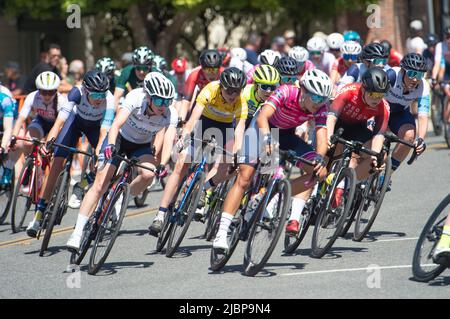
pixel 290 156
pixel 134 162
pixel 51 144
pixel 394 138
pixel 354 145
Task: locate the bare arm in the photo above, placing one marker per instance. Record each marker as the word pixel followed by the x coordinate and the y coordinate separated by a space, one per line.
pixel 168 139
pixel 322 141
pixel 239 135
pixel 7 129
pixel 119 120
pixel 118 93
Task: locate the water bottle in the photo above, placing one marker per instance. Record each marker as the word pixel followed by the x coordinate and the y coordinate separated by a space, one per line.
pixel 328 181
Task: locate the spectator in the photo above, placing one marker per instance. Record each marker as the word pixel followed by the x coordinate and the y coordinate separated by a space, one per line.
pixel 289 37
pixel 63 68
pixel 415 43
pixel 76 73
pixel 179 71
pixel 15 81
pixel 252 48
pixel 50 64
pixel 279 45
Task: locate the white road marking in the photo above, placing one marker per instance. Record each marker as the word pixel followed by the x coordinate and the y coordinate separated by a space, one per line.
pixel 395 239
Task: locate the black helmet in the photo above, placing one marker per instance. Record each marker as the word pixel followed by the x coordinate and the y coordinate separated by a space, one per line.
pixel 415 62
pixel 374 51
pixel 96 81
pixel 210 59
pixel 386 45
pixel 233 78
pixel 288 66
pixel 431 39
pixel 375 80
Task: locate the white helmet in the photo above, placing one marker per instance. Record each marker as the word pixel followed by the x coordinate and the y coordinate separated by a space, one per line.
pixel 335 40
pixel 156 83
pixel 269 57
pixel 351 47
pixel 239 53
pixel 317 82
pixel 47 81
pixel 316 44
pixel 299 53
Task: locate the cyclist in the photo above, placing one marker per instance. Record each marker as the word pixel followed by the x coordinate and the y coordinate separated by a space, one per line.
pixel 317 51
pixel 283 111
pixel 301 55
pixel 160 65
pixel 350 53
pixel 407 86
pixel 372 54
pixel 394 57
pixel 431 41
pixel 107 66
pixel 209 70
pixel 219 104
pixel 351 35
pixel 334 43
pixel 441 69
pixel 8 112
pixel 289 70
pixel 268 57
pixel 143 117
pixel 90 111
pixel 354 104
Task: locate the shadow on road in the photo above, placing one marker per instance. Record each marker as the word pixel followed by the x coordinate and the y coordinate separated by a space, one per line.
pixel 332 253
pixel 137 232
pixel 376 235
pixel 50 251
pixel 182 252
pixel 267 271
pixel 109 269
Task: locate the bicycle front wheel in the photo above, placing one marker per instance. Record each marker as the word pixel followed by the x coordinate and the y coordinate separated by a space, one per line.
pixel 267 226
pixel 291 243
pixel 6 197
pixel 436 116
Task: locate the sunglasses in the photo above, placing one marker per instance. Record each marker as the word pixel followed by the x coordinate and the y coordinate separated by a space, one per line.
pixel 97 95
pixel 288 79
pixel 143 68
pixel 415 74
pixel 352 57
pixel 47 93
pixel 231 91
pixel 317 99
pixel 161 102
pixel 376 95
pixel 315 52
pixel 377 61
pixel 267 87
pixel 210 70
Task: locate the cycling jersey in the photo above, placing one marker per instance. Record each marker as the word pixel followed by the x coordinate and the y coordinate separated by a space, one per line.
pixel 349 107
pixel 288 111
pixel 326 63
pixel 5 90
pixel 394 58
pixel 339 66
pixel 78 104
pixel 140 127
pixel 217 109
pixel 354 74
pixel 196 77
pixel 252 103
pixel 34 104
pixel 128 77
pixel 7 107
pixel 442 57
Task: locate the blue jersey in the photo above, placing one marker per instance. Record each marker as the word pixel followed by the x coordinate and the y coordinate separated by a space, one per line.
pixel 354 74
pixel 8 107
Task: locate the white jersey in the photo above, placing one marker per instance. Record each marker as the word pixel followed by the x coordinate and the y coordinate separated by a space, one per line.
pixel 400 101
pixel 34 103
pixel 5 90
pixel 326 63
pixel 79 104
pixel 141 128
pixel 354 73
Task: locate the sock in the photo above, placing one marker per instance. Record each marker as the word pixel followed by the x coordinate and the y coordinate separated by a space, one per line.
pixel 297 207
pixel 81 222
pixel 161 214
pixel 444 242
pixel 41 207
pixel 225 222
pixel 395 163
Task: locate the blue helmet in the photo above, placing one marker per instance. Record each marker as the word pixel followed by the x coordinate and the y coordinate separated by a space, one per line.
pixel 352 36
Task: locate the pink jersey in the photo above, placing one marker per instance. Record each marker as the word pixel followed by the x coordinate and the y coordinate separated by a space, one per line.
pixel 288 111
pixel 308 66
pixel 250 74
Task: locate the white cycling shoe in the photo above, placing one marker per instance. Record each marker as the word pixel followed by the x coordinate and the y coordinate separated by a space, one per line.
pixel 221 242
pixel 73 244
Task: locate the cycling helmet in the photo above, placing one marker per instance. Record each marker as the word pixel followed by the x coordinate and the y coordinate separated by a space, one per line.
pixel 143 56
pixel 288 66
pixel 96 81
pixel 335 41
pixel 155 83
pixel 351 36
pixel 179 65
pixel 239 53
pixel 375 80
pixel 106 65
pixel 415 62
pixel 431 40
pixel 387 46
pixel 316 44
pixel 300 54
pixel 233 78
pixel 374 51
pixel 225 56
pixel 210 59
pixel 317 82
pixel 351 47
pixel 47 81
pixel 269 57
pixel 266 74
pixel 160 63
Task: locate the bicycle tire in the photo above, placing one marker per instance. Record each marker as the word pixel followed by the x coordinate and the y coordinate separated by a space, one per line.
pixel 291 243
pixel 8 193
pixel 191 205
pixel 55 209
pixel 316 250
pixel 214 220
pixel 359 233
pixel 436 114
pixel 94 266
pixel 218 261
pixel 251 268
pixel 446 129
pixel 418 273
pixel 16 227
pixel 353 211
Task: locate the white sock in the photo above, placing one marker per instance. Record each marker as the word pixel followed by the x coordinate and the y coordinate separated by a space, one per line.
pixel 160 215
pixel 297 207
pixel 225 222
pixel 81 222
pixel 341 184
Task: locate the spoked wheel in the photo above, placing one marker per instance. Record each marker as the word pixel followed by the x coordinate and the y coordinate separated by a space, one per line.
pixel 56 208
pixel 215 209
pixel 219 258
pixel 446 130
pixel 423 267
pixel 6 197
pixel 354 208
pixel 109 227
pixel 291 243
pixel 436 116
pixel 330 219
pixel 267 226
pixel 184 212
pixel 373 198
pixel 22 197
pixel 89 234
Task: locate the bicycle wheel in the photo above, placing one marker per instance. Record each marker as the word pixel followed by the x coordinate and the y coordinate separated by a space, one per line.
pixel 22 201
pixel 6 196
pixel 292 242
pixel 423 267
pixel 446 131
pixel 56 208
pixel 436 115
pixel 184 214
pixel 213 221
pixel 357 202
pixel 108 229
pixel 267 226
pixel 330 221
pixel 218 258
pixel 373 200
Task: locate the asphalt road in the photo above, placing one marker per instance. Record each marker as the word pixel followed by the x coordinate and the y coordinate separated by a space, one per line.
pixel 134 270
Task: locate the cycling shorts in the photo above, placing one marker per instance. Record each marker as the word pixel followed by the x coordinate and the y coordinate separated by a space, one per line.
pixel 354 132
pixel 43 126
pixel 127 148
pixel 398 119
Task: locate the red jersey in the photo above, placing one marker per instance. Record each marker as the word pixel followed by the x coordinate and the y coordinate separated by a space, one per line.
pixel 340 66
pixel 394 58
pixel 196 77
pixel 350 108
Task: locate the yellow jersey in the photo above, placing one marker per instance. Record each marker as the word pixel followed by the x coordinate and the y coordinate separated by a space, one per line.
pixel 217 109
